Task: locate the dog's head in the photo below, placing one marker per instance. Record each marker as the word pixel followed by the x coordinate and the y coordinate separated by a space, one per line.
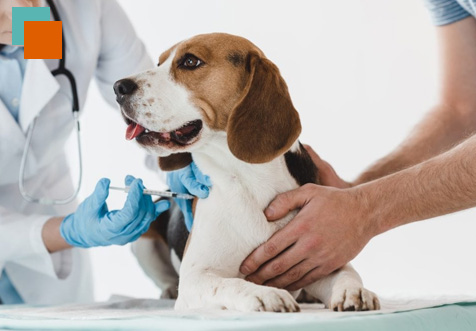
pixel 205 86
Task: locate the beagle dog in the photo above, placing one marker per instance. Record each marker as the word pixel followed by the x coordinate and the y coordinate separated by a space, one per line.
pixel 218 100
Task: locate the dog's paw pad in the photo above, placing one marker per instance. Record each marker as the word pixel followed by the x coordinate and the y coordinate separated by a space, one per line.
pixel 354 299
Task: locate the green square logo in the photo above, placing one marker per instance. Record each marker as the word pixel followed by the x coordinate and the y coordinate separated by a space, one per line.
pixel 22 14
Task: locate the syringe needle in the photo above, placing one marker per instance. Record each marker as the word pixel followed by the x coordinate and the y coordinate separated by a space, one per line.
pixel 157 193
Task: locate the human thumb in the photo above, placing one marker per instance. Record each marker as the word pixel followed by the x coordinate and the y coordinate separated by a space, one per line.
pixel 100 194
pixel 327 175
pixel 161 206
pixel 286 202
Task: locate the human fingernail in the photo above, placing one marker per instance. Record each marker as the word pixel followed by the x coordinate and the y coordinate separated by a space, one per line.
pixel 269 212
pixel 245 270
pixel 162 206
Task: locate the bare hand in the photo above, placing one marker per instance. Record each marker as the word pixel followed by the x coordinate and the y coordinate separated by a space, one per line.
pixel 330 230
pixel 327 174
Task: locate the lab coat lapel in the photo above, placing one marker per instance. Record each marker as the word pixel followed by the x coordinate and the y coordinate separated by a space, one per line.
pixel 9 129
pixel 39 87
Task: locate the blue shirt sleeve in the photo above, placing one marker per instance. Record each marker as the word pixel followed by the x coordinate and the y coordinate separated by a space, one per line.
pixel 12 71
pixel 8 293
pixel 446 11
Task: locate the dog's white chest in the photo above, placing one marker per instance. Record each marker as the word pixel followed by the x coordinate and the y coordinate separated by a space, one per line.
pixel 230 223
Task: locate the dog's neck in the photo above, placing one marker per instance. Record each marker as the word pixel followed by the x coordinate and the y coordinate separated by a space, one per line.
pixel 228 173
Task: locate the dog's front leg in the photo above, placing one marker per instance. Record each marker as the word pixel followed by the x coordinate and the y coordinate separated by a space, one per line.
pixel 206 289
pixel 343 291
pixel 153 256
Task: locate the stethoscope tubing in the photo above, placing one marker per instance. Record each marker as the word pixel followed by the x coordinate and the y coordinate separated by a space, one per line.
pixel 21 181
pixel 61 70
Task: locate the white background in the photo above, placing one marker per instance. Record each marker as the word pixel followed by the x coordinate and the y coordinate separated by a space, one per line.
pixel 360 72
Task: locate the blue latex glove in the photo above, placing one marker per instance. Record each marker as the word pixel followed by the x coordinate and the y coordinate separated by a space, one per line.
pixel 94 225
pixel 189 180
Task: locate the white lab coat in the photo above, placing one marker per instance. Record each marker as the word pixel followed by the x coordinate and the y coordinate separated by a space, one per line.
pixel 100 43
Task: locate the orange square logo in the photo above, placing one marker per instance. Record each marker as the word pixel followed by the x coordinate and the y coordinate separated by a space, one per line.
pixel 43 40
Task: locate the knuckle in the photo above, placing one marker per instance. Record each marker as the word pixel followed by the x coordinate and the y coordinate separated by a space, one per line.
pixel 326 168
pixel 308 187
pixel 311 244
pixel 277 267
pixel 293 275
pixel 282 199
pixel 270 249
pixel 302 228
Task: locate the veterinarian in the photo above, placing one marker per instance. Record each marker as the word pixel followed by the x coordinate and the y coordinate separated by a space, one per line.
pixel 37 263
pixel 431 173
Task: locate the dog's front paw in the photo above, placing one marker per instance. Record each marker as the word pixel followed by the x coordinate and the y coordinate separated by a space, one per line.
pixel 352 299
pixel 266 299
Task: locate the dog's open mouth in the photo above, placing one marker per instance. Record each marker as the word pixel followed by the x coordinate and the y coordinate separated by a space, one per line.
pixel 182 136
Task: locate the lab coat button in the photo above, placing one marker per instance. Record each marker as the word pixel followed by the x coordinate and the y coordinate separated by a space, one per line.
pixel 15 102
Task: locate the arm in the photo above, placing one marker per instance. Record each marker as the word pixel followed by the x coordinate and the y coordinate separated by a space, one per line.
pixel 454 118
pixel 122 53
pixel 311 247
pixel 324 236
pixel 51 235
pixel 439 186
pixel 89 222
pixel 28 239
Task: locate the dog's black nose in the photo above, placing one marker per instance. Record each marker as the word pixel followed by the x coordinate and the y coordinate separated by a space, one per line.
pixel 124 87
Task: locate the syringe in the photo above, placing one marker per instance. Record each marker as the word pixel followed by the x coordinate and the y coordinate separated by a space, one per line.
pixel 158 193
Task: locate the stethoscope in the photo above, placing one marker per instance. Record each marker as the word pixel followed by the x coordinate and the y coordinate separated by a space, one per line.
pixel 61 70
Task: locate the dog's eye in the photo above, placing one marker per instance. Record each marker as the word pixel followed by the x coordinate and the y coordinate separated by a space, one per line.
pixel 190 62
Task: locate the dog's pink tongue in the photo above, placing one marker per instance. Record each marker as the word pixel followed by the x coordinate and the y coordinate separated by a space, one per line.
pixel 133 130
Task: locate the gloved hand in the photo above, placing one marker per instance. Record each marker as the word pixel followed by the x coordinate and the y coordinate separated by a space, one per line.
pixel 94 225
pixel 192 181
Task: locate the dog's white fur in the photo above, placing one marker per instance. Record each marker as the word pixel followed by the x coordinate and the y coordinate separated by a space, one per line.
pixel 230 223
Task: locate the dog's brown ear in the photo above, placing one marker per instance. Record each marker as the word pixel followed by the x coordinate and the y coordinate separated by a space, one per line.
pixel 175 161
pixel 264 124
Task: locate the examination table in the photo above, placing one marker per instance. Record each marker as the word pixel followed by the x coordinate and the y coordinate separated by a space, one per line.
pixel 443 313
